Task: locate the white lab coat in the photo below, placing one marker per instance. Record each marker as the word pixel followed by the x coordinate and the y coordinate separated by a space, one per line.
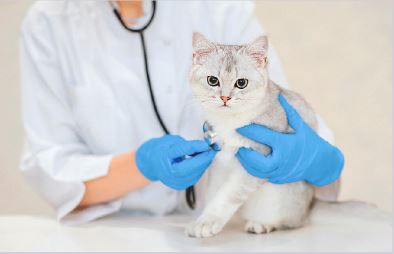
pixel 85 96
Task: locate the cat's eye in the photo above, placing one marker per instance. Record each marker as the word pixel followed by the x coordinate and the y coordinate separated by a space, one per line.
pixel 213 81
pixel 241 83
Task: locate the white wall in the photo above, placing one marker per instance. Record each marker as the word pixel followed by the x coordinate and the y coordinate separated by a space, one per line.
pixel 338 54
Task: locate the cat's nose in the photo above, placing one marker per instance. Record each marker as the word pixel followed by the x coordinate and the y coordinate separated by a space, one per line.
pixel 225 99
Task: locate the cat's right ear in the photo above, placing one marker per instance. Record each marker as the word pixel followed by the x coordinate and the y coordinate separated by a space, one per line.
pixel 202 47
pixel 258 49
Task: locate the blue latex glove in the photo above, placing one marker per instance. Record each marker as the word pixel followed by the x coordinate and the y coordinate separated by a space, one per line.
pixel 300 155
pixel 174 161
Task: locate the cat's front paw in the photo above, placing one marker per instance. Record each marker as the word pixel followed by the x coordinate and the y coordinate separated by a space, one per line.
pixel 204 227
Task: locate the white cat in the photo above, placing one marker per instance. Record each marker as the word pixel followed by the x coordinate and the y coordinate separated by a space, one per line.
pixel 232 84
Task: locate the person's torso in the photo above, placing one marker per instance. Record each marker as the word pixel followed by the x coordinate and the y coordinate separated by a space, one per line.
pixel 103 71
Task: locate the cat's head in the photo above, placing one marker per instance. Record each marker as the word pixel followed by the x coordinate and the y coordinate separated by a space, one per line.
pixel 229 78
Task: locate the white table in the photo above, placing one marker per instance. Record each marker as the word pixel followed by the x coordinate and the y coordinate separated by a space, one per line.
pixel 349 226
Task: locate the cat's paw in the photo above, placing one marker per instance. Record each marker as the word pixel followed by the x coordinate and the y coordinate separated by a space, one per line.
pixel 258 228
pixel 204 228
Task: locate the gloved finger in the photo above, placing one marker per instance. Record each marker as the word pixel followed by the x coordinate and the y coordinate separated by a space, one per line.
pixel 265 164
pixel 294 119
pixel 193 166
pixel 260 134
pixel 184 147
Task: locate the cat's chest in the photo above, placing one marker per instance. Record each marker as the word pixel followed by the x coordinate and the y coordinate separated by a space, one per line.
pixel 230 140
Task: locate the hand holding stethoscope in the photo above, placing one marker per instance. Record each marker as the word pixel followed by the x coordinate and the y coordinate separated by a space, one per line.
pixel 150 152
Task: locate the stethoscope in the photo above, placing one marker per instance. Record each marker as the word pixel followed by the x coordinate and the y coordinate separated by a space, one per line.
pixel 190 193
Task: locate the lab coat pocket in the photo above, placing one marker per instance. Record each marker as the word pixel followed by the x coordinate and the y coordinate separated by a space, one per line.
pixel 101 123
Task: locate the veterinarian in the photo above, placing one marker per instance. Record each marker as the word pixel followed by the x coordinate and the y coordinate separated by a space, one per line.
pixel 95 104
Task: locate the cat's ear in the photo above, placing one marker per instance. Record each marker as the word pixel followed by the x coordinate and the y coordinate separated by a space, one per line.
pixel 258 49
pixel 202 47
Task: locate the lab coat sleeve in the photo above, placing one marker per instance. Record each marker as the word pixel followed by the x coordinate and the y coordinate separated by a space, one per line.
pixel 55 160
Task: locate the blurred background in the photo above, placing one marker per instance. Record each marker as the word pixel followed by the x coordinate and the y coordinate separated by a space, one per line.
pixel 338 54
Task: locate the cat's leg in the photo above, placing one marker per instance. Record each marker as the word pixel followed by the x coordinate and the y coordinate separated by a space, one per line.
pixel 230 196
pixel 275 206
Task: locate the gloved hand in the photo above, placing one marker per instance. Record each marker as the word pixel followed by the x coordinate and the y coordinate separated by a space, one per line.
pixel 174 161
pixel 297 156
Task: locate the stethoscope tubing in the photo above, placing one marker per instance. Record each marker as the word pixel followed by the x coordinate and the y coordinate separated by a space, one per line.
pixel 190 193
pixel 140 31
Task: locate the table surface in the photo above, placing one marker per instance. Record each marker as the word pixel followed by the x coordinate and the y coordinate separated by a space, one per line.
pixel 345 226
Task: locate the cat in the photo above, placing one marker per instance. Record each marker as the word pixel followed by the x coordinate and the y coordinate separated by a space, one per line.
pixel 232 85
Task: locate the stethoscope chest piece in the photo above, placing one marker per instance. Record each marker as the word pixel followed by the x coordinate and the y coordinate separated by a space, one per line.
pixel 210 136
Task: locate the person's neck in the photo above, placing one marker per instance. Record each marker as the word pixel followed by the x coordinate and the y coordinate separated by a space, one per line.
pixel 130 10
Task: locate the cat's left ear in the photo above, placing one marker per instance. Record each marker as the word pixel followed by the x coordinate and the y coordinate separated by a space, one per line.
pixel 258 49
pixel 202 47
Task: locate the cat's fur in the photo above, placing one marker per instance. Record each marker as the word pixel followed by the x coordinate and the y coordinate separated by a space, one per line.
pixel 263 206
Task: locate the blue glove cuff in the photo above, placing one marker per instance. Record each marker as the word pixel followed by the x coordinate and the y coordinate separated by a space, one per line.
pixel 144 171
pixel 333 162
